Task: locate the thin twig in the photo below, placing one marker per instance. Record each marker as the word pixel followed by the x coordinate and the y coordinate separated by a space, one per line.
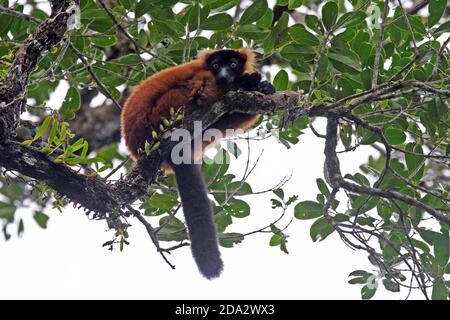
pixel 376 64
pixel 14 13
pixel 89 68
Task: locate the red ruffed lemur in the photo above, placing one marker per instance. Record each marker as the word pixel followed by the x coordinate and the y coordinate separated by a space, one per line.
pixel 197 84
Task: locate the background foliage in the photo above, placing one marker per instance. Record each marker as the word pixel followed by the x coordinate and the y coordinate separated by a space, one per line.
pixel 389 69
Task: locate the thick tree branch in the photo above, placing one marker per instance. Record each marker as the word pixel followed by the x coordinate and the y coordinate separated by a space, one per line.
pixel 13 88
pixel 95 193
pixel 91 192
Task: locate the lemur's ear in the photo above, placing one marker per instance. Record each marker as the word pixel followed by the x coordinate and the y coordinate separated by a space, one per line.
pixel 205 54
pixel 249 57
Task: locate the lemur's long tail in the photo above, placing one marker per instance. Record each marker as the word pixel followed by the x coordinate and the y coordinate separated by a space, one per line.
pixel 199 219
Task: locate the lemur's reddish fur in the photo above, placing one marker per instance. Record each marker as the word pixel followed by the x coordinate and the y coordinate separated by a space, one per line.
pixel 190 85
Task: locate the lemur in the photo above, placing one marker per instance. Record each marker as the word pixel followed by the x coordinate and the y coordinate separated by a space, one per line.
pixel 197 84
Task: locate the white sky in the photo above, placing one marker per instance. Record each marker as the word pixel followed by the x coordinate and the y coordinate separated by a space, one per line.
pixel 66 261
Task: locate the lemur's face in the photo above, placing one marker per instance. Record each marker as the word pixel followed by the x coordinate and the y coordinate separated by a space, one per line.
pixel 226 65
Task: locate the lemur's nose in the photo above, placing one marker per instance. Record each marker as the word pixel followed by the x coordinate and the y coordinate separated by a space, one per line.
pixel 224 76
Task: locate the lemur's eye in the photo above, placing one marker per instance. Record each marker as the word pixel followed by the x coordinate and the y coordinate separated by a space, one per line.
pixel 215 66
pixel 233 65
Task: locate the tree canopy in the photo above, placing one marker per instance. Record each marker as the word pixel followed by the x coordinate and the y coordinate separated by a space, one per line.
pixel 377 71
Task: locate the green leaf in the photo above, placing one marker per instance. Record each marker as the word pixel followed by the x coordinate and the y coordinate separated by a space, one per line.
pixel 293 4
pixel 251 31
pixel 281 80
pixel 412 161
pixel 308 210
pixel 266 21
pixel 394 135
pixel 301 123
pixel 71 104
pixel 219 21
pixel 44 126
pixel 142 7
pixel 5 23
pixel 329 14
pixel 171 28
pixel 320 229
pixel 357 280
pixel 240 187
pixel 441 248
pixel 97 20
pixel 129 59
pixel 228 240
pixel 53 131
pixel 221 5
pixel 360 273
pixel 313 23
pixel 440 291
pixel 367 293
pixel 323 187
pixel 297 51
pixel 74 147
pixel 346 61
pixel 7 211
pixel 299 34
pixel 276 239
pixel 436 9
pixel 279 34
pixel 41 219
pixel 361 277
pixel 172 229
pixel 351 19
pixel 256 10
pixel 279 193
pixel 391 285
pixel 447 269
pixel 238 208
pixel 104 40
pixel 427 235
pixel 233 148
pixel 420 245
pixel 21 228
pixel 445 27
pixel 164 201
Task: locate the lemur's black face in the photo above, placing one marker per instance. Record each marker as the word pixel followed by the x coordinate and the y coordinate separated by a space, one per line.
pixel 226 65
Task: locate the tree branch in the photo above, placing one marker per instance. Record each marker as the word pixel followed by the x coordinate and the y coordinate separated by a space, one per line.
pixel 14 13
pixel 13 88
pixel 337 181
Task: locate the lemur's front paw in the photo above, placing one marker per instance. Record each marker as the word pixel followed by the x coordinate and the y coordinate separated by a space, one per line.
pixel 266 87
pixel 252 82
pixel 249 81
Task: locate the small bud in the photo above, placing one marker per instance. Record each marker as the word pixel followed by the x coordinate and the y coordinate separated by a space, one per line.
pixel 46 149
pixel 154 134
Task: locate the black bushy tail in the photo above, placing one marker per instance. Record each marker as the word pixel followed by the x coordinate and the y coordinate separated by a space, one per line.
pixel 199 219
